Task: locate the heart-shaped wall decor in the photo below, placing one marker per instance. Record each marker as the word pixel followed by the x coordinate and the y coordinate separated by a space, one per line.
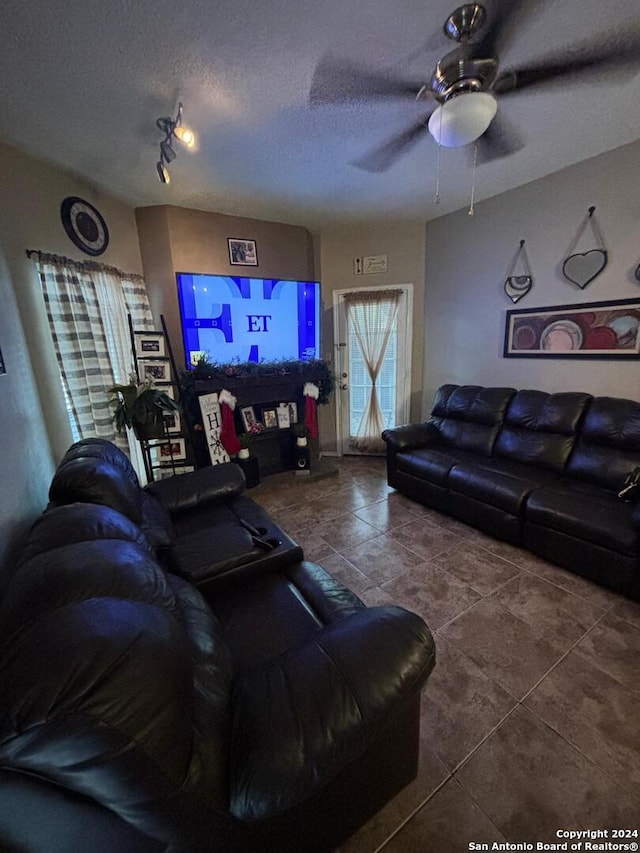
pixel 517 286
pixel 581 269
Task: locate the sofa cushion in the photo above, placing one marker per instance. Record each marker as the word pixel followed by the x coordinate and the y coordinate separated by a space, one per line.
pixel 118 681
pixel 498 482
pixel 188 492
pixel 363 667
pixel 468 417
pixel 79 522
pixel 609 445
pixel 93 480
pixel 101 448
pixel 433 463
pixel 155 522
pixel 540 429
pixel 585 512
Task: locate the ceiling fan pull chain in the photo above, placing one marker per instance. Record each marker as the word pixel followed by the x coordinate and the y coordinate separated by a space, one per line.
pixel 473 179
pixel 437 198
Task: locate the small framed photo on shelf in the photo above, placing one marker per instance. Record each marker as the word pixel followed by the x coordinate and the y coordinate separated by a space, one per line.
pixel 169 451
pixel 149 344
pixel 159 371
pixel 293 413
pixel 269 418
pixel 242 252
pixel 172 422
pixel 248 418
pixel 282 413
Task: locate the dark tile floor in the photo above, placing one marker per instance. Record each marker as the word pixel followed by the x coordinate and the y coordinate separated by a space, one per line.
pixel 531 718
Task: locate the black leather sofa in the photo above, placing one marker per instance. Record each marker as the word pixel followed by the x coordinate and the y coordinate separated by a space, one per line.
pixel 170 684
pixel 538 470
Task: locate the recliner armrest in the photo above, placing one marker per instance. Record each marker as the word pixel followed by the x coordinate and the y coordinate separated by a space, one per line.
pixel 302 718
pixel 197 488
pixel 410 436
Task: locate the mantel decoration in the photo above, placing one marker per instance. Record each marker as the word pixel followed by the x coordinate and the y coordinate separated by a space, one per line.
pixel 314 370
pixel 581 268
pixel 141 406
pixel 591 330
pixel 517 286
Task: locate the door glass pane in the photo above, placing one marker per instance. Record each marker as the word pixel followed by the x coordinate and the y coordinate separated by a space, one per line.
pixel 360 382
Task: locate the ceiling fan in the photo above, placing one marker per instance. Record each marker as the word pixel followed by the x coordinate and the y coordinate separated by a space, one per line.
pixel 462 94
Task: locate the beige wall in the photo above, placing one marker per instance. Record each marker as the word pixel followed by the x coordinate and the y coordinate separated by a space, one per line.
pixel 174 239
pixel 468 259
pixel 34 430
pixel 404 245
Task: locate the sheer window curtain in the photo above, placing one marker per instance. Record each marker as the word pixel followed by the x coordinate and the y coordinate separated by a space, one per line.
pixel 88 306
pixel 372 315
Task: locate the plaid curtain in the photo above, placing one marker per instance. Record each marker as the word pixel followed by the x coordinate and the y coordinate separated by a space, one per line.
pixel 88 306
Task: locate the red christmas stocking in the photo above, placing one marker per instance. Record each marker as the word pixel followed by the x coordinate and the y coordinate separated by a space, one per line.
pixel 311 392
pixel 228 437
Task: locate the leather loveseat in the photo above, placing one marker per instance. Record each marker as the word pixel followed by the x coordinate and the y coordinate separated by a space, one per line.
pixel 543 471
pixel 257 706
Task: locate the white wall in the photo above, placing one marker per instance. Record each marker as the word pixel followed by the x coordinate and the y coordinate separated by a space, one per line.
pixel 404 245
pixel 468 258
pixel 34 430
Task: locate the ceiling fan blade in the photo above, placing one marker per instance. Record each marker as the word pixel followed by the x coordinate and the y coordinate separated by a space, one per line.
pixel 338 80
pixel 498 141
pixel 502 22
pixel 613 53
pixel 385 155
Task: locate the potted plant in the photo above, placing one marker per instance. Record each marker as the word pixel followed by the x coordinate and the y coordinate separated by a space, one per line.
pixel 245 439
pixel 300 432
pixel 141 406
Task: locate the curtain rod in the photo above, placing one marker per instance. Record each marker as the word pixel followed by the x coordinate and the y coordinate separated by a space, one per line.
pixel 46 257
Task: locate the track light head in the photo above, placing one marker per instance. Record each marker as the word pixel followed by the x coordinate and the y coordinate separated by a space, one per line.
pixel 163 175
pixel 168 154
pixel 172 127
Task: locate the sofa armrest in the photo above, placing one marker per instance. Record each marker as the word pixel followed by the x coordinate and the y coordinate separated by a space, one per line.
pixel 198 488
pixel 301 719
pixel 410 436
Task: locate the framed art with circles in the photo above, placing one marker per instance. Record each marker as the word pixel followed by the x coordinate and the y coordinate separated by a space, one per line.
pixel 84 225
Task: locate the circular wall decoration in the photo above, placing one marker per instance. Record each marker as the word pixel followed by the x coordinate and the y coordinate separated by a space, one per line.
pixel 84 225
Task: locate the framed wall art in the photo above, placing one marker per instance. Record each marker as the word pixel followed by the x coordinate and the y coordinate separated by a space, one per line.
pixel 242 252
pixel 159 371
pixel 149 344
pixel 591 330
pixel 169 451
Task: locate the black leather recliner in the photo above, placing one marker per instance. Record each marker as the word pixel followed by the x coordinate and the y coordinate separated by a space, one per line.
pixel 268 711
pixel 539 470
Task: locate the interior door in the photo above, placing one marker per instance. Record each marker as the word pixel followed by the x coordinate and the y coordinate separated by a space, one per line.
pixel 353 384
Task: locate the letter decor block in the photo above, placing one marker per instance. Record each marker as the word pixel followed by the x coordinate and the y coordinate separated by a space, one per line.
pixel 212 422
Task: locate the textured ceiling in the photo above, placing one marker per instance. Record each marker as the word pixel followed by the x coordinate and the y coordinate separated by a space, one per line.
pixel 83 82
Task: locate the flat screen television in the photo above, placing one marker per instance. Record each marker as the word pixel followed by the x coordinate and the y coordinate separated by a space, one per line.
pixel 235 318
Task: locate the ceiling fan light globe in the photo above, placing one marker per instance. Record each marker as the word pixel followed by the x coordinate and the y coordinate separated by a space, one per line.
pixel 462 119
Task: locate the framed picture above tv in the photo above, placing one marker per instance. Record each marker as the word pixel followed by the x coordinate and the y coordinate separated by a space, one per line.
pixel 231 318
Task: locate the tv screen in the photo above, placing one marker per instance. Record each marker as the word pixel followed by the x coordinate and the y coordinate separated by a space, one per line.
pixel 235 318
